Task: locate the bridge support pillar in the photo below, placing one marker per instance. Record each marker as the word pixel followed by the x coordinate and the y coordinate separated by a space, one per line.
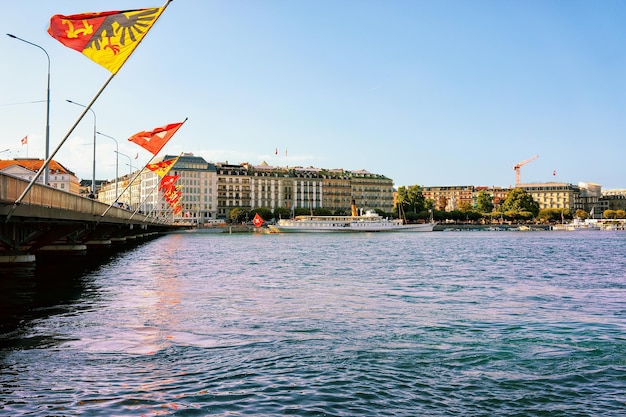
pixel 17 258
pixel 64 249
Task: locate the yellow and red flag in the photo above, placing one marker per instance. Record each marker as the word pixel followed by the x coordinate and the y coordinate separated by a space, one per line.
pixel 168 182
pixel 163 167
pixel 156 139
pixel 107 38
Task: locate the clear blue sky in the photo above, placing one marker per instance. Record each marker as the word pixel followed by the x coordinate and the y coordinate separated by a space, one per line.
pixel 424 92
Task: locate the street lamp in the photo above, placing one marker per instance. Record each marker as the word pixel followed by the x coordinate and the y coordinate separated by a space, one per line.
pixel 46 174
pixel 117 157
pixel 130 174
pixel 93 177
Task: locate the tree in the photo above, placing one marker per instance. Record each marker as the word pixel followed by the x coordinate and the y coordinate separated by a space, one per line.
pixel 238 214
pixel 411 198
pixel 610 214
pixel 465 206
pixel 300 211
pixel 264 212
pixel 518 203
pixel 320 211
pixel 581 214
pixel 281 213
pixel 484 202
pixel 552 215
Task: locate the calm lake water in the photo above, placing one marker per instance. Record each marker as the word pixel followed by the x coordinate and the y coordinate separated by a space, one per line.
pixel 407 324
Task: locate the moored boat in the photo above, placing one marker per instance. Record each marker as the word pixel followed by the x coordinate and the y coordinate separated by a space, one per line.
pixel 368 222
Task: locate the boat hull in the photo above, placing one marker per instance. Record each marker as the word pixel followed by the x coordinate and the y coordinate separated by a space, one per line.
pixel 426 227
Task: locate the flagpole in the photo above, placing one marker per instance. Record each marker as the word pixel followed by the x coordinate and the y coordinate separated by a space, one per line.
pixel 138 174
pixel 151 191
pixel 87 108
pixel 67 135
pixel 144 200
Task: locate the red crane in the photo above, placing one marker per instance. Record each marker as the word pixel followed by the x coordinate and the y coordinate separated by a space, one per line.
pixel 518 166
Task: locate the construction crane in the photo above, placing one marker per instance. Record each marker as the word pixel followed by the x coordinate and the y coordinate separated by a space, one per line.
pixel 517 167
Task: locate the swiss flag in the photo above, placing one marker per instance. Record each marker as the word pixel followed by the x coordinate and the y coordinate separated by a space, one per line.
pixel 258 220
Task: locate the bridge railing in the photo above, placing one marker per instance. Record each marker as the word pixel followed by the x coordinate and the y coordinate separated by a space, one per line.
pixel 11 188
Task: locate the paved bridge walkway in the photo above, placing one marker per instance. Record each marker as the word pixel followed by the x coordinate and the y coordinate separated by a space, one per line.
pixel 53 221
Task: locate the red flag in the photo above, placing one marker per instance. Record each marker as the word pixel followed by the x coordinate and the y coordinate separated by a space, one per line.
pixel 107 38
pixel 276 152
pixel 258 220
pixel 155 140
pixel 554 173
pixel 25 140
pixel 168 182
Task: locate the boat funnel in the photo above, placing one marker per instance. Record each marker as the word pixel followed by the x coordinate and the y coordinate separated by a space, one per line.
pixel 354 210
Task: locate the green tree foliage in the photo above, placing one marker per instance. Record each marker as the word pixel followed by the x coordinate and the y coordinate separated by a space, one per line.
pixel 322 212
pixel 411 198
pixel 265 213
pixel 484 202
pixel 519 204
pixel 554 215
pixel 281 213
pixel 302 211
pixel 238 214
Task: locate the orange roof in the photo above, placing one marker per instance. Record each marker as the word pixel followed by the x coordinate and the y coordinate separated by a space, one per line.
pixel 34 165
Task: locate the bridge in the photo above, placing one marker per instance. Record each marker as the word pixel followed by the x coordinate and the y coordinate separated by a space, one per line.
pixel 51 221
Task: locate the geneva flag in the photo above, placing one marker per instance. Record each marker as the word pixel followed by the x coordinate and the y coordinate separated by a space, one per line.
pixel 155 140
pixel 163 167
pixel 107 38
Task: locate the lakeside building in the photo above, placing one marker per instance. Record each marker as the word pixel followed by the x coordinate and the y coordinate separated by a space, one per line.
pixel 449 198
pixel 372 190
pixel 233 188
pixel 129 197
pixel 269 186
pixel 26 168
pixel 198 181
pixel 614 199
pixel 211 190
pixel 555 195
pixel 498 195
pixel 338 194
pixel 558 195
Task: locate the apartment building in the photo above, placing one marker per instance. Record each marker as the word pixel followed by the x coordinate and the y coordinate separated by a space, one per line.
pixel 449 197
pixel 307 188
pixel 27 168
pixel 233 188
pixel 372 191
pixel 337 186
pixel 270 187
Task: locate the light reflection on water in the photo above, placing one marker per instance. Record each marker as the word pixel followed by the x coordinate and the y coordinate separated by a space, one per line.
pixel 481 323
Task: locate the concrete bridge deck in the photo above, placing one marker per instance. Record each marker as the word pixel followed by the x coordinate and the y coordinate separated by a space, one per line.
pixel 53 221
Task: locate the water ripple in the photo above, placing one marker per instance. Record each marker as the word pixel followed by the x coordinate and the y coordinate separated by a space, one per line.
pixel 438 324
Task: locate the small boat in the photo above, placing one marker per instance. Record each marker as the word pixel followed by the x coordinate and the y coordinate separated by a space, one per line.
pixel 368 222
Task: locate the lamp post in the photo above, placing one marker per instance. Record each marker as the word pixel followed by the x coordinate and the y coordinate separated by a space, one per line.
pixel 46 174
pixel 93 177
pixel 130 174
pixel 117 157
